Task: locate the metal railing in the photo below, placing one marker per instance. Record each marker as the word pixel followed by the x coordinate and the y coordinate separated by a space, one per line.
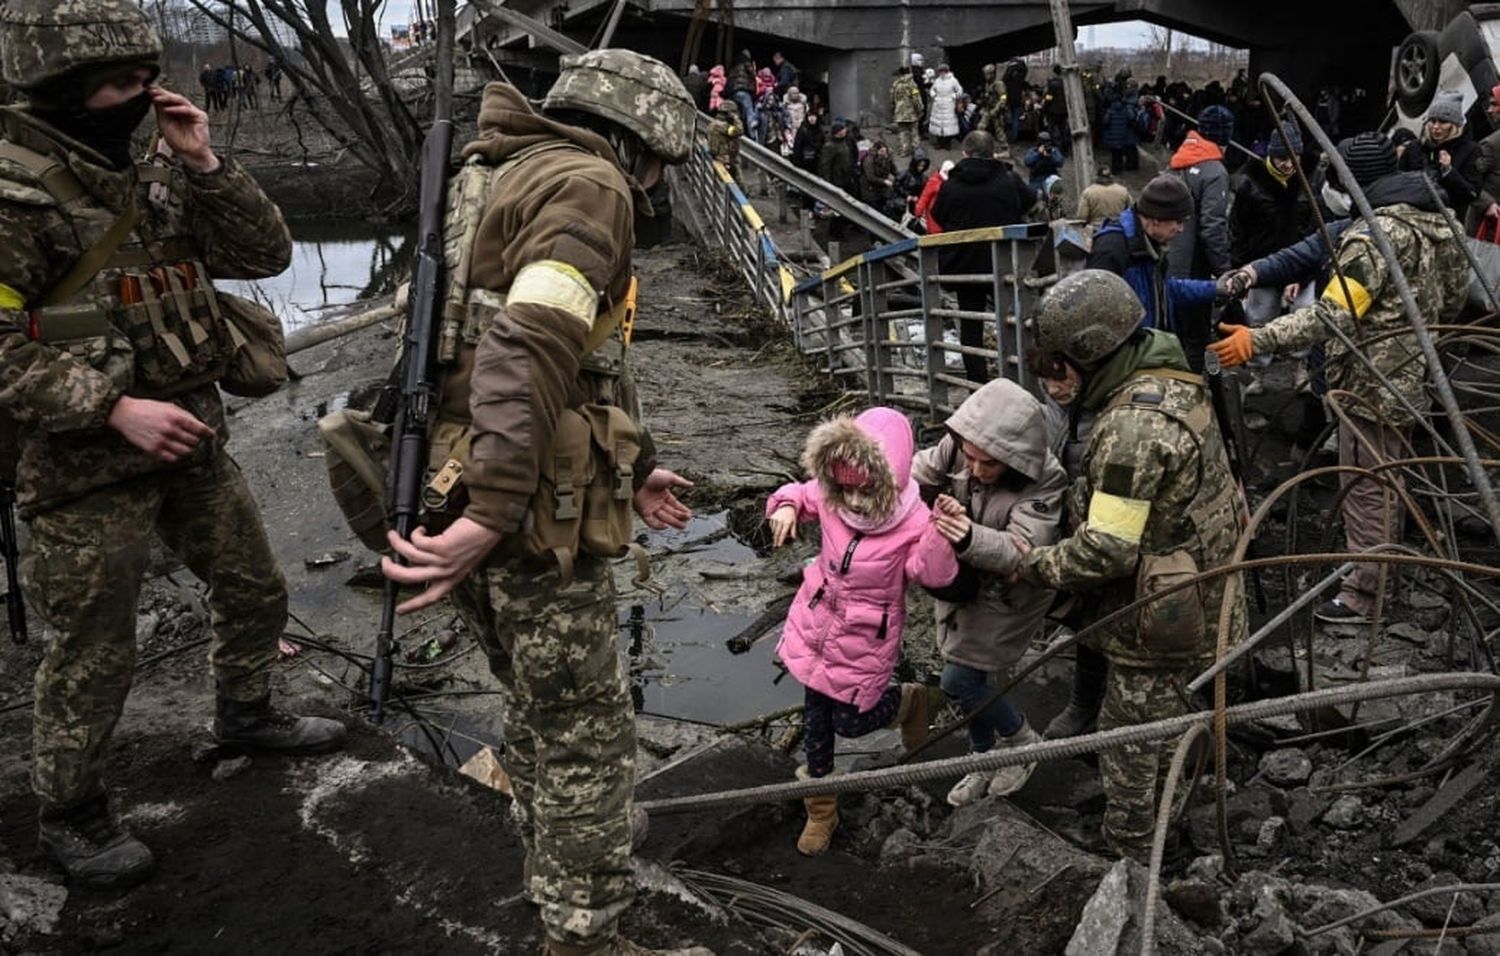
pixel 888 320
pixel 731 225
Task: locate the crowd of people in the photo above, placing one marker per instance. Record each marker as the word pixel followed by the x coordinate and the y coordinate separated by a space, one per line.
pixel 239 86
pixel 1215 261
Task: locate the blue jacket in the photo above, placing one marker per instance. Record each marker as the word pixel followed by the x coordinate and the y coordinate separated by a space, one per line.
pixel 1117 130
pixel 1303 261
pixel 1121 247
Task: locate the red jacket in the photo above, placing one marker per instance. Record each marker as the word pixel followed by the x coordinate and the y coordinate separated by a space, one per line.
pixel 925 201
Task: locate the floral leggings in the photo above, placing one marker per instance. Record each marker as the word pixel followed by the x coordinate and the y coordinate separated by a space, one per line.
pixel 823 717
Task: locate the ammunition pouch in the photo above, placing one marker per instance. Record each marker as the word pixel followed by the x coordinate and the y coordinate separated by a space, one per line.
pixel 172 317
pixel 1174 623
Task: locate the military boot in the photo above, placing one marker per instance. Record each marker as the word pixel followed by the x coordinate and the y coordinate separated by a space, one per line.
pixel 92 848
pixel 911 717
pixel 617 946
pixel 1082 712
pixel 259 726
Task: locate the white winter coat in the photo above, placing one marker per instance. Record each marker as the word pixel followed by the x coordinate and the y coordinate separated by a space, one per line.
pixel 943 118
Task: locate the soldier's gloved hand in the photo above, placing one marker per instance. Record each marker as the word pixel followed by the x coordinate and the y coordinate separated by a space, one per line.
pixel 1235 347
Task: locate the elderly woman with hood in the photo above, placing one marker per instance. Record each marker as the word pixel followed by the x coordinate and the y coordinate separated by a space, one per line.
pixel 843 633
pixel 996 482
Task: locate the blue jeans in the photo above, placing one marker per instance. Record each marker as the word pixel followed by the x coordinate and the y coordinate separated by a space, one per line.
pixel 746 102
pixel 1015 121
pixel 970 686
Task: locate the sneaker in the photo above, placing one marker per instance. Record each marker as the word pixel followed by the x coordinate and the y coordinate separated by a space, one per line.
pixel 970 788
pixel 257 725
pixel 1009 780
pixel 93 849
pixel 1337 612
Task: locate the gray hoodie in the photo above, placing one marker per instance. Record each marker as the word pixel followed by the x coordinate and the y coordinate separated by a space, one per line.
pixel 1004 420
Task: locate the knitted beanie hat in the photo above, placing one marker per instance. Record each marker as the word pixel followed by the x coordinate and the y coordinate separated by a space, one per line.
pixel 1370 156
pixel 1216 123
pixel 1165 197
pixel 1286 141
pixel 1446 108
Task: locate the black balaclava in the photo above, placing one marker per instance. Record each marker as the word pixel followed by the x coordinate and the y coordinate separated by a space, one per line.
pixel 107 131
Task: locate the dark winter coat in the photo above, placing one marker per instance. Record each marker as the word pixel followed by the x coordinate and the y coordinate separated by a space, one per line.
pixel 837 166
pixel 697 87
pixel 1121 246
pixel 742 77
pixel 807 146
pixel 1462 182
pixel 1118 130
pixel 1267 214
pixel 979 192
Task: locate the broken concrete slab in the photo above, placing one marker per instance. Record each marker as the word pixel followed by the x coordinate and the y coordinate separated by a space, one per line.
pixel 1289 767
pixel 30 904
pixel 1112 920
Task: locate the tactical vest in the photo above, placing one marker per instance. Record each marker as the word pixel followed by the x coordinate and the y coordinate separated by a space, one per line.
pixel 583 502
pixel 1178 628
pixel 153 303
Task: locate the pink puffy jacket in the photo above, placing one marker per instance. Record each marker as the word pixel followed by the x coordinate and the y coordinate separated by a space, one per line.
pixel 843 632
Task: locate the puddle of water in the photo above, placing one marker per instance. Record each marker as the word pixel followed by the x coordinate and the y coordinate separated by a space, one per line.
pixel 679 665
pixel 333 263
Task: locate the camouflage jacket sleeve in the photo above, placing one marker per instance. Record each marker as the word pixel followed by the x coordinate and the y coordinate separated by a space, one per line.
pixel 39 384
pixel 238 227
pixel 1365 272
pixel 1131 453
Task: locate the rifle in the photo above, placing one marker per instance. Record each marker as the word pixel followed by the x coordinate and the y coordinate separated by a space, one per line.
pixel 416 388
pixel 15 606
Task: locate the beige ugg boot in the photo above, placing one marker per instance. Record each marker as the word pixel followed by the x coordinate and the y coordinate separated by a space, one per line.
pixel 822 820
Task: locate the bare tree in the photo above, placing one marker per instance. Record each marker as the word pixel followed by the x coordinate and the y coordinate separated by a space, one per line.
pixel 1159 41
pixel 344 83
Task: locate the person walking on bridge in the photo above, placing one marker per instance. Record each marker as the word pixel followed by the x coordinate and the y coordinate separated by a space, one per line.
pixel 982 190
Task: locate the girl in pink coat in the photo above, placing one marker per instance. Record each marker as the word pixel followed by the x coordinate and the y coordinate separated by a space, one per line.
pixel 843 633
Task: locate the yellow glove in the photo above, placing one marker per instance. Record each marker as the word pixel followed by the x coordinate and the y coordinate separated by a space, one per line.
pixel 1234 348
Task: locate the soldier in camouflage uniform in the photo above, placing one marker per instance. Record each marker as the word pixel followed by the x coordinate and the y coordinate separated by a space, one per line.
pixel 549 259
pixel 108 370
pixel 724 134
pixel 1156 500
pixel 992 101
pixel 1366 304
pixel 906 111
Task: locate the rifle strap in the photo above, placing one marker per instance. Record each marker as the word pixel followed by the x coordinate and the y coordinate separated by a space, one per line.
pixel 86 266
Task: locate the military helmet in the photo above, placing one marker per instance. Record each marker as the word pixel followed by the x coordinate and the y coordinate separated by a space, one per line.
pixel 42 40
pixel 1087 315
pixel 636 91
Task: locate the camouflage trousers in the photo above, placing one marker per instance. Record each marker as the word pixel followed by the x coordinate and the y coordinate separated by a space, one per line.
pixel 1133 775
pixel 906 139
pixel 569 735
pixel 83 569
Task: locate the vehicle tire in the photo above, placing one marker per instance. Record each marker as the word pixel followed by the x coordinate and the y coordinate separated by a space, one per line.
pixel 1417 67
